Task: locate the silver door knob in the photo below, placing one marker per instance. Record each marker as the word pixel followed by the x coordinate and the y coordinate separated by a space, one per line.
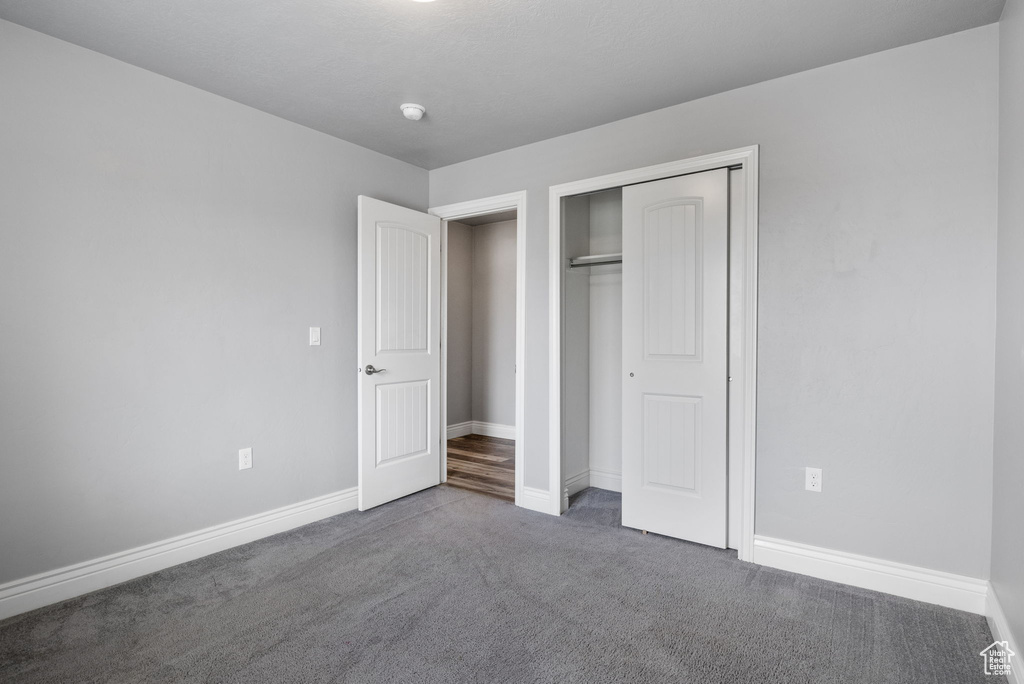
pixel 370 370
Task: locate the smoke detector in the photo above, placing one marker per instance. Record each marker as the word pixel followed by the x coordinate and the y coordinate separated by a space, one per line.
pixel 413 112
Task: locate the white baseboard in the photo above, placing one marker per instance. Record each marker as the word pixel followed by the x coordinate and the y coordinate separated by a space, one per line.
pixel 45 588
pixel 921 584
pixel 478 427
pixel 536 500
pixel 494 430
pixel 460 429
pixel 578 483
pixel 1001 632
pixel 606 479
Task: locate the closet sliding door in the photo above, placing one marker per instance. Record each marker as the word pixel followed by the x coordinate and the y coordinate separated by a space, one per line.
pixel 675 263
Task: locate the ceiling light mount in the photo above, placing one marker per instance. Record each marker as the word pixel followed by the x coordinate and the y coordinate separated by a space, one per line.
pixel 413 112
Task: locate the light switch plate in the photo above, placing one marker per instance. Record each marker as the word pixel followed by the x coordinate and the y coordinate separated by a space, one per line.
pixel 314 337
pixel 245 458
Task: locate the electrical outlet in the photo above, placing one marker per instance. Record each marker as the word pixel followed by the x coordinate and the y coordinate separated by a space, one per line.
pixel 245 458
pixel 314 337
pixel 812 481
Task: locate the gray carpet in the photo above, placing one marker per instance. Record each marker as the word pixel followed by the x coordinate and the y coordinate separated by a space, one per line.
pixel 597 507
pixel 451 586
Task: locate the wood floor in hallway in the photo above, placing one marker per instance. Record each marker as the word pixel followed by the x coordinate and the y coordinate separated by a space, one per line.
pixel 483 464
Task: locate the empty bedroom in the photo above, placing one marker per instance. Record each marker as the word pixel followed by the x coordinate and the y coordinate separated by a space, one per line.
pixel 447 341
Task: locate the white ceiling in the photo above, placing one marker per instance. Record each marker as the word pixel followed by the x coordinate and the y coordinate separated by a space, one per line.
pixel 493 74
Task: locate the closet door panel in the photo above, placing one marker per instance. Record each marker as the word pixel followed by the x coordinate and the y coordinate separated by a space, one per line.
pixel 674 346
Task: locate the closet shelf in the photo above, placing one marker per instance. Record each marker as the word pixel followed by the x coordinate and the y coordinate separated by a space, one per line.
pixel 595 260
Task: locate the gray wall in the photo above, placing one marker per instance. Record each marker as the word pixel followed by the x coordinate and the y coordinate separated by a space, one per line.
pixel 876 311
pixel 1008 493
pixel 482 323
pixel 494 323
pixel 163 252
pixel 460 323
pixel 605 401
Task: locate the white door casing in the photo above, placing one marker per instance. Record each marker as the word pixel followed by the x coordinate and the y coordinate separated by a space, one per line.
pixel 675 263
pixel 399 302
pixel 737 350
pixel 472 208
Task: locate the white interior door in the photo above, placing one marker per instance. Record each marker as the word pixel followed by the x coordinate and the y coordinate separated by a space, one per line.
pixel 399 299
pixel 675 242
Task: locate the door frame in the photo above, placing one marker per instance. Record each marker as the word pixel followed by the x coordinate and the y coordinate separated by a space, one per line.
pixel 743 383
pixel 473 208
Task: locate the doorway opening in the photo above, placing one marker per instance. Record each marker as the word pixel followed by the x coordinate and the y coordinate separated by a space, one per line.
pixel 592 352
pixel 483 345
pixel 480 379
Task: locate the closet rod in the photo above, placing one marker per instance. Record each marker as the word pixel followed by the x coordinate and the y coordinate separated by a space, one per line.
pixel 595 260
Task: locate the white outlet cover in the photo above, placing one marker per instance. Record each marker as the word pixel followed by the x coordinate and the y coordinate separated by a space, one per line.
pixel 812 479
pixel 245 458
pixel 314 337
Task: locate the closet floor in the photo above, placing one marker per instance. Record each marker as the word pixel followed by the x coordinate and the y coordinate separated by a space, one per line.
pixel 483 464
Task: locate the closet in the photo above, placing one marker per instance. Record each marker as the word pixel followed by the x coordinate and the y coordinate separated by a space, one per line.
pixel 645 350
pixel 592 341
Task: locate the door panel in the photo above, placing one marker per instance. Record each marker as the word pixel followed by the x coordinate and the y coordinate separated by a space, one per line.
pixel 672 280
pixel 399 335
pixel 674 347
pixel 403 411
pixel 403 289
pixel 672 445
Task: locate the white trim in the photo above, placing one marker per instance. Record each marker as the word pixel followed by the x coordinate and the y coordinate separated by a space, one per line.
pixel 606 479
pixel 453 212
pixel 578 483
pixel 747 157
pixel 748 449
pixel 534 499
pixel 1001 632
pixel 556 283
pixel 478 427
pixel 45 588
pixel 493 430
pixel 443 357
pixel 460 429
pixel 908 581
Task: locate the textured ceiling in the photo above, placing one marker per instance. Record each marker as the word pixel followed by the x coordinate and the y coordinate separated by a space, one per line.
pixel 493 74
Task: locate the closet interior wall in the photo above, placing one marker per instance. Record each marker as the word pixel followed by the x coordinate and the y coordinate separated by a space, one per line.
pixel 592 335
